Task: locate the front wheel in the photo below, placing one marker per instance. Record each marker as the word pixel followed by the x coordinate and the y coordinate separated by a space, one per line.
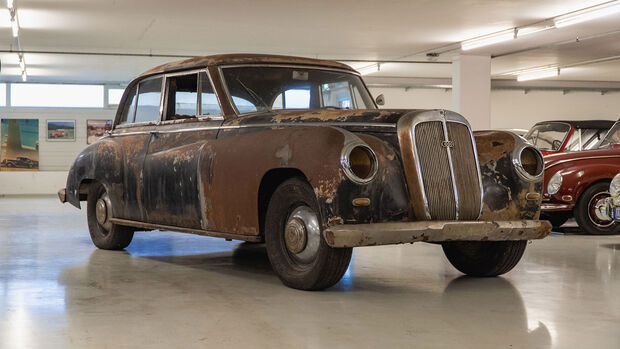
pixel 105 234
pixel 585 211
pixel 484 258
pixel 295 246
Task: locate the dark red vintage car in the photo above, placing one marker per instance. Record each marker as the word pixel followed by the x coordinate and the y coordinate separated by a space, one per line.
pixel 552 137
pixel 575 182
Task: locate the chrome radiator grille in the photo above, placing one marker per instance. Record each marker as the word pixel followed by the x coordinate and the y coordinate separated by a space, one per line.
pixel 441 166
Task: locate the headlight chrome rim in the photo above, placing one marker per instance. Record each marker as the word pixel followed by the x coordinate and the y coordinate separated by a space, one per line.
pixel 345 162
pixel 517 156
pixel 552 189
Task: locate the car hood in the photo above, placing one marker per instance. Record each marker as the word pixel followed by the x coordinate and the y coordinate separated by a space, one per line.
pixel 556 158
pixel 345 118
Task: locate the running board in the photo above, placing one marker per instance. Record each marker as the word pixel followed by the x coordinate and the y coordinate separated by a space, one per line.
pixel 228 236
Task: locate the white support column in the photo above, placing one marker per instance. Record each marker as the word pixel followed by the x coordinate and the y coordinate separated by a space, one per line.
pixel 471 89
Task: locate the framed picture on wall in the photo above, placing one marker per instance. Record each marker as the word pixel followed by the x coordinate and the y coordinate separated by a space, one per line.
pixel 96 129
pixel 61 130
pixel 19 145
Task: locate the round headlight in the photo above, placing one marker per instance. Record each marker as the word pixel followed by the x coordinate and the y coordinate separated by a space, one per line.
pixel 555 183
pixel 614 187
pixel 359 163
pixel 531 161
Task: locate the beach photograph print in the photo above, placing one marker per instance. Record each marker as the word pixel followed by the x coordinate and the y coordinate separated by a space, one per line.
pixel 96 129
pixel 61 130
pixel 19 145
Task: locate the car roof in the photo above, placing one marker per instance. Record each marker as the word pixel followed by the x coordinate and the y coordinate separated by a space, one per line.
pixel 596 124
pixel 241 58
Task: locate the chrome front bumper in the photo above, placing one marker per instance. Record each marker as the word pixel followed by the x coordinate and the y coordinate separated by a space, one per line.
pixel 355 235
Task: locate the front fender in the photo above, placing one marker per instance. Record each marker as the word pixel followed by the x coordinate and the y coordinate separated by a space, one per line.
pixel 578 175
pixel 233 168
pixel 507 194
pixel 81 169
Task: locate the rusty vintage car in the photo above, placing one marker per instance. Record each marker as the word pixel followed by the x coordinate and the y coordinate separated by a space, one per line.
pixel 294 152
pixel 577 182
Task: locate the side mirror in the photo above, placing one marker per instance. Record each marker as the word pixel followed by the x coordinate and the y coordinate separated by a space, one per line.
pixel 380 100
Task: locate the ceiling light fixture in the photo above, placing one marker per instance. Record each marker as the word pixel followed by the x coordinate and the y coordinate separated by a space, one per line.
pixel 538 73
pixel 533 29
pixel 501 36
pixel 14 25
pixel 369 69
pixel 587 14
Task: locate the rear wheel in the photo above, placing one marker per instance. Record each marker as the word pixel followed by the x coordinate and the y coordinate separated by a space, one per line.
pixel 585 211
pixel 105 234
pixel 484 258
pixel 295 246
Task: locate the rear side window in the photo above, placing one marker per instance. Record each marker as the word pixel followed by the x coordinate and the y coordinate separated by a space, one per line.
pixel 182 97
pixel 149 97
pixel 208 100
pixel 129 108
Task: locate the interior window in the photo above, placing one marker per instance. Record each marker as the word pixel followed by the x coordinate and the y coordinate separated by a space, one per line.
pixel 208 100
pixel 337 94
pixel 149 95
pixel 130 107
pixel 182 97
pixel 292 99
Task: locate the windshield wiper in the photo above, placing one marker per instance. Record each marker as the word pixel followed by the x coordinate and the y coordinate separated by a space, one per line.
pixel 253 94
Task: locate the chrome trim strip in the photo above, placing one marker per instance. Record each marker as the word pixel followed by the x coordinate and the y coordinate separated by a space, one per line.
pixel 584 158
pixel 553 207
pixel 451 163
pixel 416 161
pixel 272 125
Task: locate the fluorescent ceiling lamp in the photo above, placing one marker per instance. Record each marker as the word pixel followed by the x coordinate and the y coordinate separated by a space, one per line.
pixel 538 74
pixel 504 35
pixel 14 26
pixel 587 14
pixel 532 29
pixel 9 4
pixel 369 69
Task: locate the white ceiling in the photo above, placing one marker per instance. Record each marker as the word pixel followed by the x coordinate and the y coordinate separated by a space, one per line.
pixel 344 29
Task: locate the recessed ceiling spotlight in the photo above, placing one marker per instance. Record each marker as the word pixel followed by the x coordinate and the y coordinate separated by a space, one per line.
pixel 501 36
pixel 587 14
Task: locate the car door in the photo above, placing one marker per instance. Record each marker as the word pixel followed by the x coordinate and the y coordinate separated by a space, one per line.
pixel 122 156
pixel 173 163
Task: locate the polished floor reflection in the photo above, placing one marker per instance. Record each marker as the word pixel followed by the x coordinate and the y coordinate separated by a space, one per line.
pixel 171 290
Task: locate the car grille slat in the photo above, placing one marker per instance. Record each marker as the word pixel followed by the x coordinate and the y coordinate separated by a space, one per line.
pixel 435 170
pixel 465 171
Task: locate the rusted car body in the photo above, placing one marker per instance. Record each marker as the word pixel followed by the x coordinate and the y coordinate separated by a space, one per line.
pixel 576 182
pixel 365 176
pixel 551 137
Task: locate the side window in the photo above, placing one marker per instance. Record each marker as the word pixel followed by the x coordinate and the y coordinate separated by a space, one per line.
pixel 337 94
pixel 129 108
pixel 182 97
pixel 149 96
pixel 208 100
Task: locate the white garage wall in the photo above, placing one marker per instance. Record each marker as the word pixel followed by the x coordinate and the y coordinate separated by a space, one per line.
pixel 55 158
pixel 514 108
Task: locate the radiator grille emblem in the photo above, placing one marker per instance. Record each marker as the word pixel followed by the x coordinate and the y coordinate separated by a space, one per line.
pixel 447 144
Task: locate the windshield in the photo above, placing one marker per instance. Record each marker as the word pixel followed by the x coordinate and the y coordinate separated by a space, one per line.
pixel 584 139
pixel 612 137
pixel 548 136
pixel 255 89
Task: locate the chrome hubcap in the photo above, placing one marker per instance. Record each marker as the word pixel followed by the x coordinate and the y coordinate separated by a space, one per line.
pixel 101 211
pixel 302 234
pixel 595 218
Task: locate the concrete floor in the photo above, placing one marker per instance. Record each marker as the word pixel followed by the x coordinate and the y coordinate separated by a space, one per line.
pixel 172 290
